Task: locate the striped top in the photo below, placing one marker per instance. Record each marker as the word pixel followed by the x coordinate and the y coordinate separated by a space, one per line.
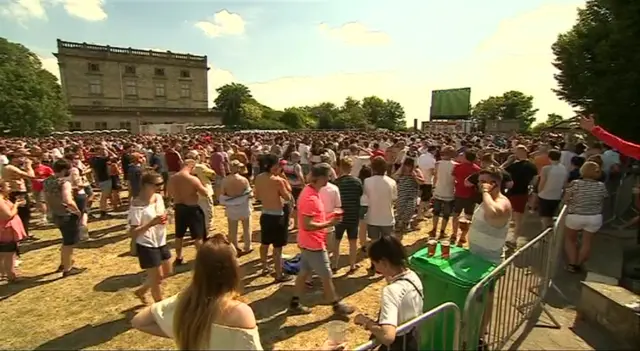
pixel 585 197
pixel 350 191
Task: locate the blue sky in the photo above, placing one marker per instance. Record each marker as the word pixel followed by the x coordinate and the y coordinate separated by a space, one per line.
pixel 297 52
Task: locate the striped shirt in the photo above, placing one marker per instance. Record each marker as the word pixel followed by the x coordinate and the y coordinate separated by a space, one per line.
pixel 585 197
pixel 350 191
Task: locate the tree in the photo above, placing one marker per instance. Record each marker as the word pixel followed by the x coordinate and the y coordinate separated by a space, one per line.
pixel 373 107
pixel 512 105
pixel 230 99
pixel 393 116
pixel 552 119
pixel 31 100
pixel 294 118
pixel 599 64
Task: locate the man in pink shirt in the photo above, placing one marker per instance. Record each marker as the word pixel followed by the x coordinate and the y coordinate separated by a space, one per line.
pixel 312 234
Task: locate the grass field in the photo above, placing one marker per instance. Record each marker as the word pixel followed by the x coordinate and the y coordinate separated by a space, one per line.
pixel 92 310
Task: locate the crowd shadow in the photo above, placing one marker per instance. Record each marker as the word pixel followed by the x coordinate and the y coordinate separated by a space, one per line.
pixel 90 335
pixel 10 289
pixel 99 238
pixel 128 281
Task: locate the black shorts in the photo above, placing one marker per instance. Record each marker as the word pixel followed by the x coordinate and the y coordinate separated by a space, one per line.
pixel 426 191
pixel 69 228
pixel 151 257
pixel 9 247
pixel 442 208
pixel 115 183
pixel 274 230
pixel 190 217
pixel 81 202
pixel 295 192
pixel 466 204
pixel 351 229
pixel 547 208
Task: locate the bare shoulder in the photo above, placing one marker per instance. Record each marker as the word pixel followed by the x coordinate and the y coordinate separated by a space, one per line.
pixel 240 315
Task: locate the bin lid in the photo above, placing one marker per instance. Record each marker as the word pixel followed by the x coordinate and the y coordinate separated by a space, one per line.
pixel 463 268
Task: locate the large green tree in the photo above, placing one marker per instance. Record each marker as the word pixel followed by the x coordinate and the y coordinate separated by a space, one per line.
pixel 552 119
pixel 31 100
pixel 512 105
pixel 599 64
pixel 230 100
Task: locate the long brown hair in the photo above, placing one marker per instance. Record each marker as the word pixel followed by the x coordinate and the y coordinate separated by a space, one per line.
pixel 216 279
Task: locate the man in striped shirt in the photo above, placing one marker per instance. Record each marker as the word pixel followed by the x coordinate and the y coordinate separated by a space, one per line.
pixel 350 191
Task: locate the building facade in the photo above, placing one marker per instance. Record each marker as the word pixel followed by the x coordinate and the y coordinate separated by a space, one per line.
pixel 120 88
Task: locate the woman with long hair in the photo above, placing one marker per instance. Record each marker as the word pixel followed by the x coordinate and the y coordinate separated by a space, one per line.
pixel 11 232
pixel 584 199
pixel 409 178
pixel 146 220
pixel 207 315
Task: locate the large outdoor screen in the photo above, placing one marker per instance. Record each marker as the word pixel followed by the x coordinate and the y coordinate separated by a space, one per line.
pixel 451 104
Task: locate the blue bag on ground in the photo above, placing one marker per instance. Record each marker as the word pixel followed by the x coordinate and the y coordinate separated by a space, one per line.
pixel 292 265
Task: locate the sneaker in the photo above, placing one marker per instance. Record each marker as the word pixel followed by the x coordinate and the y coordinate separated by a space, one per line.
pixel 73 271
pixel 178 262
pixel 343 309
pixel 298 309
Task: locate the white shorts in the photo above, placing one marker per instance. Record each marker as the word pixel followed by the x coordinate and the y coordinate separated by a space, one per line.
pixel 588 223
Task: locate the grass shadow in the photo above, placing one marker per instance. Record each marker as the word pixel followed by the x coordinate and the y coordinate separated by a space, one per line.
pixel 128 281
pixel 90 335
pixel 10 289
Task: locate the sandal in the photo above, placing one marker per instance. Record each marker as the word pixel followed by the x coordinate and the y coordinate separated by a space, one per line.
pixel 353 269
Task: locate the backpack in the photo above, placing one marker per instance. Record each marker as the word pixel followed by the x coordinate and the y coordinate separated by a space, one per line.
pixel 292 265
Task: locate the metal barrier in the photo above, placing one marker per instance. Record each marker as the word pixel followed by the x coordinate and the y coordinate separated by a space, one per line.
pixel 427 335
pixel 511 295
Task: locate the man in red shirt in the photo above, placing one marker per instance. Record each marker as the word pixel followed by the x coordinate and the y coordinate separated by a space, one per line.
pixel 41 172
pixel 464 195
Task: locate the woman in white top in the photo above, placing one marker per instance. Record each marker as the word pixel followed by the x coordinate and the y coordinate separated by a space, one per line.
pixel 402 298
pixel 146 220
pixel 207 314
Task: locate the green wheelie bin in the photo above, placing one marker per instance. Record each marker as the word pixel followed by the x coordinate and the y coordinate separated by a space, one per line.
pixel 448 280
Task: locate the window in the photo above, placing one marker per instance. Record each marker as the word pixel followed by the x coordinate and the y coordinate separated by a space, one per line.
pixel 159 72
pixel 125 125
pixel 96 103
pixel 73 126
pixel 185 74
pixel 101 125
pixel 93 67
pixel 131 89
pixel 95 87
pixel 130 69
pixel 185 90
pixel 159 89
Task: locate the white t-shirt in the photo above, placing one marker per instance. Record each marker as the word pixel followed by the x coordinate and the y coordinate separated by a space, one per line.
pixel 427 163
pixel 444 187
pixel 402 299
pixel 330 197
pixel 556 176
pixel 565 158
pixel 381 192
pixel 304 150
pixel 156 236
pixel 358 162
pixel 4 160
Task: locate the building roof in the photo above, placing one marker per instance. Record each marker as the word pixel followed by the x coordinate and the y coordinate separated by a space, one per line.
pixel 62 45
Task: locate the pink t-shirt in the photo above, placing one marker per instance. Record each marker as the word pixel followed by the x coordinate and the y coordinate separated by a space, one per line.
pixel 309 204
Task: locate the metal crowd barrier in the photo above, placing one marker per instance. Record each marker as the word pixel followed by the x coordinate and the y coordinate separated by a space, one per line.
pixel 511 295
pixel 426 334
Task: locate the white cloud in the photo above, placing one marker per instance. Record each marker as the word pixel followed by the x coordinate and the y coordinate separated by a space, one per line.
pixel 355 33
pixel 90 10
pixel 22 10
pixel 222 23
pixel 51 65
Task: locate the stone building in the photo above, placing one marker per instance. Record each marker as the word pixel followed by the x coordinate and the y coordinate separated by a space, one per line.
pixel 110 87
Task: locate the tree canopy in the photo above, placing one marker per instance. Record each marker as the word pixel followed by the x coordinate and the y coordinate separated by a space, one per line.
pixel 31 100
pixel 552 119
pixel 599 64
pixel 512 105
pixel 241 109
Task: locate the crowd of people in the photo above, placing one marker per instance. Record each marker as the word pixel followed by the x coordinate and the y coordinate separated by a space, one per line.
pixel 372 186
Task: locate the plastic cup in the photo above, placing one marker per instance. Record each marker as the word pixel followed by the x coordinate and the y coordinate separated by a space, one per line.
pixel 337 332
pixel 431 245
pixel 445 247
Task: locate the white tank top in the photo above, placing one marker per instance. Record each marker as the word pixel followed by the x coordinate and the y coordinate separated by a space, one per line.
pixel 485 240
pixel 443 189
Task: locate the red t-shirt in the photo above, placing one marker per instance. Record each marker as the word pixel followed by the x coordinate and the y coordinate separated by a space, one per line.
pixel 460 172
pixel 173 161
pixel 376 153
pixel 41 172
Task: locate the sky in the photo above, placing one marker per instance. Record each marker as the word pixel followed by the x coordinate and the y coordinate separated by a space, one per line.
pixel 303 52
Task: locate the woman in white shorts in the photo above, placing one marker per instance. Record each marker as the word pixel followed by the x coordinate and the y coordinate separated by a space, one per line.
pixel 584 199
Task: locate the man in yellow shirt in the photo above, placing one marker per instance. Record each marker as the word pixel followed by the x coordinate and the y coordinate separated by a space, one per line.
pixel 206 175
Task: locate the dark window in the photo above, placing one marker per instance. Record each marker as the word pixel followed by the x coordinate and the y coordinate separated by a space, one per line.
pixel 74 126
pixel 159 72
pixel 94 67
pixel 130 69
pixel 125 125
pixel 185 74
pixel 96 103
pixel 101 125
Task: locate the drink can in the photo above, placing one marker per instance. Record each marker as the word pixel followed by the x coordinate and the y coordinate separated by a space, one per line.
pixel 431 244
pixel 445 248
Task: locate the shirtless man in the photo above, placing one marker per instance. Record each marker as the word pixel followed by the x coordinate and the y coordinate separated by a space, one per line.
pixel 16 173
pixel 184 188
pixel 273 190
pixel 236 197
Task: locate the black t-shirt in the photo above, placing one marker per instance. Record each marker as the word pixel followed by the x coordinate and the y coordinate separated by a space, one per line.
pixel 522 173
pixel 100 165
pixel 127 159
